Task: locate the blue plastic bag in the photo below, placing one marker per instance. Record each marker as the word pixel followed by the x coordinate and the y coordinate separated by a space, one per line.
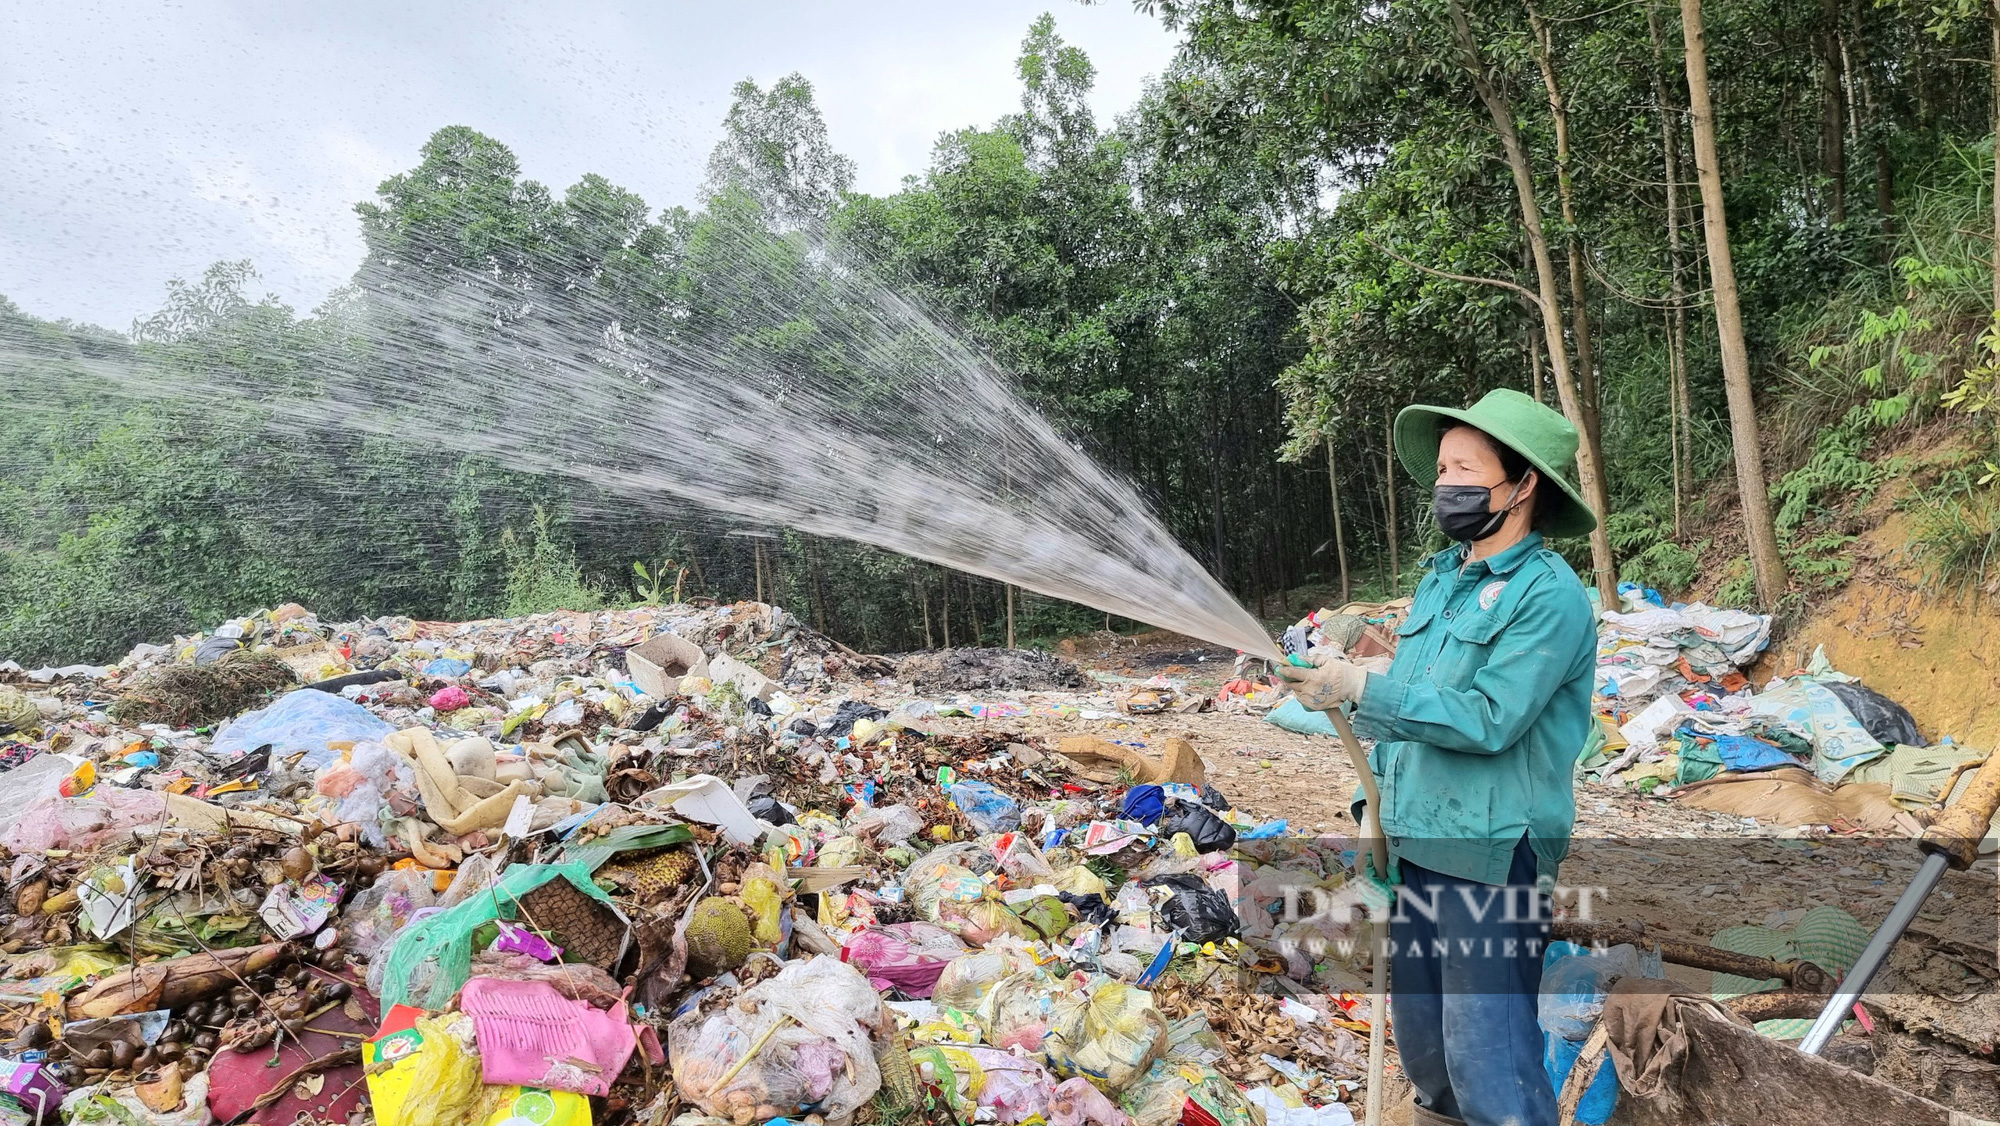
pixel 1600 1098
pixel 1144 804
pixel 1574 984
pixel 989 810
pixel 301 722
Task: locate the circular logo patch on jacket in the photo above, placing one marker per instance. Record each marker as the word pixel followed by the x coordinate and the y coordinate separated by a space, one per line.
pixel 1490 594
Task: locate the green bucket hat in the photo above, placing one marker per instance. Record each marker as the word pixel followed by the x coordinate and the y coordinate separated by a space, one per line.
pixel 1521 424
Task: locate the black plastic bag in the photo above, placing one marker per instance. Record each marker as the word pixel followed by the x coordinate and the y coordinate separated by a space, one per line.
pixel 770 809
pixel 847 715
pixel 1888 721
pixel 1208 832
pixel 1198 911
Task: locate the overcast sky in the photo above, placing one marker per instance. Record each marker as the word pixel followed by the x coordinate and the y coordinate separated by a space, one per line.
pixel 145 140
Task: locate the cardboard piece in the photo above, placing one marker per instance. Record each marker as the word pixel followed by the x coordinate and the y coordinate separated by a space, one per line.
pixel 658 666
pixel 1103 761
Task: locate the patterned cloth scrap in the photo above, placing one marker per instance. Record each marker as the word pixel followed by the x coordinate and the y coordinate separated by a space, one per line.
pixel 1825 936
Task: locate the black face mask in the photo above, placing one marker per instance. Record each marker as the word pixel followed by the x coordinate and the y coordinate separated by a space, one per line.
pixel 1465 512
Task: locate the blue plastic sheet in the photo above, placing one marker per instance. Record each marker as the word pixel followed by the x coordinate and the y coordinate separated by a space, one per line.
pixel 1294 716
pixel 447 666
pixel 301 722
pixel 989 810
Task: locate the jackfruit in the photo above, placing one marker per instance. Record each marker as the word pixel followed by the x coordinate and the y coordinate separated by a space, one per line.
pixel 656 876
pixel 718 937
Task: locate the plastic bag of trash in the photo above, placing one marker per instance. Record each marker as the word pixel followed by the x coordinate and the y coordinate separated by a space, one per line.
pixel 890 825
pixel 797 1043
pixel 304 722
pixel 378 911
pixel 981 921
pixel 1016 1012
pixel 1144 804
pixel 1017 855
pixel 908 957
pixel 1162 1095
pixel 1109 1035
pixel 81 823
pixel 431 957
pixel 1208 832
pixel 1078 1103
pixel 1885 719
pixel 989 810
pixel 944 874
pixel 360 787
pixel 966 979
pixel 986 1084
pixel 1575 981
pixel 1016 1088
pixel 1198 911
pixel 1046 915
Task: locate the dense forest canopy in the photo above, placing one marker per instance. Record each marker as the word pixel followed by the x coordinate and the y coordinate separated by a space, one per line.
pixel 1320 212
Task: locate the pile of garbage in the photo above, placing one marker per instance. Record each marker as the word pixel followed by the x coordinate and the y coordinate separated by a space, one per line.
pixel 1814 748
pixel 693 864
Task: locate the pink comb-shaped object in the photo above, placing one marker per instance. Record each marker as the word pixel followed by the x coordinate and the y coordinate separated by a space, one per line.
pixel 529 1034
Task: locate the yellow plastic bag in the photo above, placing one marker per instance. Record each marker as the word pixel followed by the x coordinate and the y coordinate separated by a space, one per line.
pixel 1110 1035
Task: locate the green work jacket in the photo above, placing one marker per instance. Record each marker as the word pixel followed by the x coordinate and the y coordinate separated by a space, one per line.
pixel 1479 720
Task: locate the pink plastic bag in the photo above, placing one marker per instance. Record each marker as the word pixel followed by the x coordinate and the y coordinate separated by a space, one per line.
pixel 531 1035
pixel 86 822
pixel 1016 1088
pixel 1078 1103
pixel 904 956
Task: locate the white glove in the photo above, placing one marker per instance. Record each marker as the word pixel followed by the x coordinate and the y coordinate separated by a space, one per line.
pixel 1331 682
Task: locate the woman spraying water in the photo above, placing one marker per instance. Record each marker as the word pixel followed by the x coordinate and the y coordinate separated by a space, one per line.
pixel 1478 722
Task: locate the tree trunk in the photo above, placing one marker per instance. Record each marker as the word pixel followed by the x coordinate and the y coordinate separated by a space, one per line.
pixel 1010 615
pixel 1535 365
pixel 1339 526
pixel 924 604
pixel 1768 566
pixel 1589 470
pixel 944 614
pixel 1680 420
pixel 816 582
pixel 1833 113
pixel 1579 292
pixel 757 562
pixel 1389 497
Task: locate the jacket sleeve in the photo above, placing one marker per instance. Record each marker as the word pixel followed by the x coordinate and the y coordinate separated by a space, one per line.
pixel 1534 652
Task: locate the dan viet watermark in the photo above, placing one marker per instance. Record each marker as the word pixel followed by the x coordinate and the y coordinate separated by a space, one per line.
pixel 1301 910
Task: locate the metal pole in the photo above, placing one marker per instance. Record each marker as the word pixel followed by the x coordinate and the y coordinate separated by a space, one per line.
pixel 1877 952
